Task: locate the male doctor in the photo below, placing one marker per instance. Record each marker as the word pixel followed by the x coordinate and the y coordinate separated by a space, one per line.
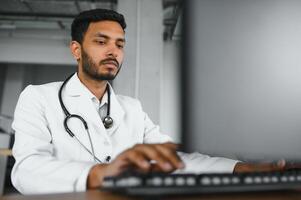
pixel 69 136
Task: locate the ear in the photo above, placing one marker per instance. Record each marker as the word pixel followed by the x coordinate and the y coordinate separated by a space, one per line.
pixel 75 49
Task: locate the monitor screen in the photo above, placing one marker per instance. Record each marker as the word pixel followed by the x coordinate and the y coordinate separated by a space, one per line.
pixel 241 76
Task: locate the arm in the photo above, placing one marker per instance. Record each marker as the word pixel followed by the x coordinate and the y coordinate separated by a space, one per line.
pixel 37 169
pixel 241 167
pixel 138 157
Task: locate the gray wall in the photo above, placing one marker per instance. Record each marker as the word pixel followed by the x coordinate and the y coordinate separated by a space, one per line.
pixel 17 76
pixel 49 73
pixel 170 91
pixel 144 54
pixel 2 78
pixel 246 78
pixel 35 46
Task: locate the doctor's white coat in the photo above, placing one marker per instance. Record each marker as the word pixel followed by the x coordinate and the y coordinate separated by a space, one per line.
pixel 48 160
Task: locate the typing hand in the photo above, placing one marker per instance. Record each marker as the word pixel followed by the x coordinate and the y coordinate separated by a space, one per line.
pixel 281 165
pixel 141 157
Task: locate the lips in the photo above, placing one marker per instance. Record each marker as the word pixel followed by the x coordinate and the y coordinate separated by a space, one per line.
pixel 110 62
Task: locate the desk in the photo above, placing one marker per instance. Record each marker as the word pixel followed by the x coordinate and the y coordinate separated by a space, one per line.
pixel 98 195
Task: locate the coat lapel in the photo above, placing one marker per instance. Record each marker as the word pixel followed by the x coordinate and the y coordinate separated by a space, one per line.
pixel 79 103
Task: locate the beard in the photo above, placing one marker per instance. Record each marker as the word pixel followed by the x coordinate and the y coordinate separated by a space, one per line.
pixel 90 68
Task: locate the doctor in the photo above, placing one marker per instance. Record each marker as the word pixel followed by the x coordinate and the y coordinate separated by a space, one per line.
pixel 71 134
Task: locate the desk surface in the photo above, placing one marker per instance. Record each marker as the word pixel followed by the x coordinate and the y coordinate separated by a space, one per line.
pixel 98 195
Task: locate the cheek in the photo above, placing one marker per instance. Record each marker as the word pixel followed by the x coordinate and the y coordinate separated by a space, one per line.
pixel 120 57
pixel 96 53
pixel 96 57
pixel 95 60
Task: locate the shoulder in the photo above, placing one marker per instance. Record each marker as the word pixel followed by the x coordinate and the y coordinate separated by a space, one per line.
pixel 44 91
pixel 44 88
pixel 126 101
pixel 34 99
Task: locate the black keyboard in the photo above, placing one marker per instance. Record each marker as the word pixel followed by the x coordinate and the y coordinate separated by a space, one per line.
pixel 158 184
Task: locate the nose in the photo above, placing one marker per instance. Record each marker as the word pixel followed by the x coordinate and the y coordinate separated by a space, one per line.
pixel 112 51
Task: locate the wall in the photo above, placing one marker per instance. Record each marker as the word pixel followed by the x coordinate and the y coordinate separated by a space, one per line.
pixel 170 91
pixel 144 54
pixel 2 79
pixel 35 46
pixel 245 78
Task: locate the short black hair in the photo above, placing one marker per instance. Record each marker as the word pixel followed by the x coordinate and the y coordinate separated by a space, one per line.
pixel 82 21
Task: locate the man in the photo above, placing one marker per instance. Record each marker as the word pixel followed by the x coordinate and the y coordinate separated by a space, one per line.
pixel 61 143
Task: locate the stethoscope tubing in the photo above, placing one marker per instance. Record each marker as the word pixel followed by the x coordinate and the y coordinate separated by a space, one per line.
pixel 68 116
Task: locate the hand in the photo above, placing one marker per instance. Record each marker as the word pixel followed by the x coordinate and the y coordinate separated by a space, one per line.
pixel 140 157
pixel 281 165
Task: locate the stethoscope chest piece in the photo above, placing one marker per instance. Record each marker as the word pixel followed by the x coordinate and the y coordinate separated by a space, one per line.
pixel 108 122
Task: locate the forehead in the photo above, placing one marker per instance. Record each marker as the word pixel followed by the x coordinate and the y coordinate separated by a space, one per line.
pixel 109 28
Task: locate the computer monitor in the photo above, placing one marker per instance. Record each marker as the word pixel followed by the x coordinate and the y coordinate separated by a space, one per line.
pixel 241 73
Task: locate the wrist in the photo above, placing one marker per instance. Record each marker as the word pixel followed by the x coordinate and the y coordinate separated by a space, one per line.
pixel 96 176
pixel 241 167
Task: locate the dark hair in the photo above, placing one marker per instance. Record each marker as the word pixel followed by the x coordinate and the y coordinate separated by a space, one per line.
pixel 81 22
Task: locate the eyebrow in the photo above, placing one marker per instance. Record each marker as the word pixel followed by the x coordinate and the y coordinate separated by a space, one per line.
pixel 107 37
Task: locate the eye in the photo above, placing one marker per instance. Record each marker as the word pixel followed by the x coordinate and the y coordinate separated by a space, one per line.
pixel 101 42
pixel 120 46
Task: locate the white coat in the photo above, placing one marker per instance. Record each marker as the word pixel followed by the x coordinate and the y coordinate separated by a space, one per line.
pixel 48 160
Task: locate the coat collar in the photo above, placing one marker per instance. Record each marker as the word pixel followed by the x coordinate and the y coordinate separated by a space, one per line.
pixel 74 87
pixel 82 95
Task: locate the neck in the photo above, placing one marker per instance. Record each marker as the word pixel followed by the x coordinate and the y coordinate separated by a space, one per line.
pixel 97 87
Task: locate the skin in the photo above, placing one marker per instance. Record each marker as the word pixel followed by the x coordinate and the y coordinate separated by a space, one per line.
pixel 103 43
pixel 103 40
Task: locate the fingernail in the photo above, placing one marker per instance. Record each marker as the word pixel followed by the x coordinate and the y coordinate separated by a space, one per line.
pixel 181 165
pixel 281 163
pixel 167 166
pixel 145 164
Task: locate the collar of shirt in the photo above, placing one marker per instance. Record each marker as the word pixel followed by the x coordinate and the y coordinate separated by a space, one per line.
pixel 98 104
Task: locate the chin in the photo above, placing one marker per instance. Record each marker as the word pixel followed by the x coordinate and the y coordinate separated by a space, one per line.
pixel 107 77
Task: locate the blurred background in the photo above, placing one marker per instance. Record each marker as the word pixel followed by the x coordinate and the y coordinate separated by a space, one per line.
pixel 34 49
pixel 242 72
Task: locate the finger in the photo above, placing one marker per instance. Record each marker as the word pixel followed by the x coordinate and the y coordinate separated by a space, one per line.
pixel 170 145
pixel 270 167
pixel 263 167
pixel 259 167
pixel 281 164
pixel 171 155
pixel 138 159
pixel 292 166
pixel 152 153
pixel 155 168
pixel 116 167
pixel 276 166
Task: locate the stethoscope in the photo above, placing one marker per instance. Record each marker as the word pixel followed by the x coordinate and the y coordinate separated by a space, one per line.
pixel 107 121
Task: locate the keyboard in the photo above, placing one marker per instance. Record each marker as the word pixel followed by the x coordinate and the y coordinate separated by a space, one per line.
pixel 160 184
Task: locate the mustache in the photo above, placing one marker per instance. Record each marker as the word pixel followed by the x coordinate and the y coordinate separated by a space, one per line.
pixel 109 61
